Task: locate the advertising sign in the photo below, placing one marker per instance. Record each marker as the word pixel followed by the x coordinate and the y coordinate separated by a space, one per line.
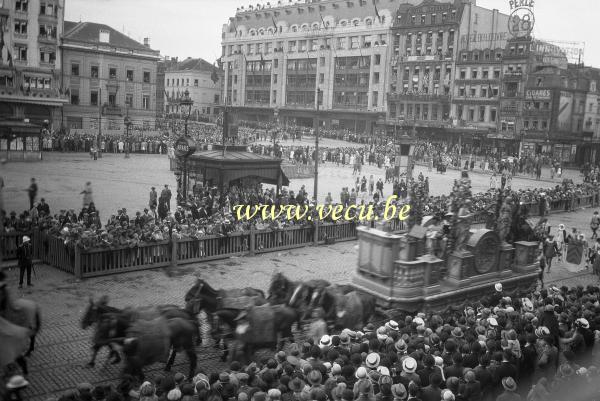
pixel 538 94
pixel 184 147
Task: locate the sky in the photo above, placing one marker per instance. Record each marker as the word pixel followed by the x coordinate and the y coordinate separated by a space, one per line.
pixel 192 28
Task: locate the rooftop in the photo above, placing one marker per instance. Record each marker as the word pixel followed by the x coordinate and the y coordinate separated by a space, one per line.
pixel 89 32
pixel 192 64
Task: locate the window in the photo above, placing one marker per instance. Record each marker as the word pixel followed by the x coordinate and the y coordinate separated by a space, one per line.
pixel 276 63
pixel 473 92
pixel 526 124
pixel 474 74
pixel 321 78
pixel 535 124
pixel 464 57
pixel 495 92
pixel 375 77
pixel 422 19
pixel 463 74
pixel 444 16
pixel 48 31
pixel 461 91
pixel 302 45
pixel 493 115
pixel 322 61
pixel 21 5
pixel 413 19
pixel 94 72
pixel 481 113
pixel 146 102
pixel 129 75
pixel 112 73
pixel 195 82
pixel 274 78
pixel 74 96
pixel 75 69
pixel 94 98
pixel 47 56
pixel 496 74
pixel 48 9
pixel 476 56
pixel 471 116
pixel 485 74
pixel 129 100
pixel 20 27
pixel 354 42
pixel 499 56
pixel 377 59
pixel 292 46
pixel 112 99
pixel 544 124
pixel 146 77
pixel 433 23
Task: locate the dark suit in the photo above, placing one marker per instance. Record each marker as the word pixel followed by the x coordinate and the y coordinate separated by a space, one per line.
pixel 24 256
pixel 431 393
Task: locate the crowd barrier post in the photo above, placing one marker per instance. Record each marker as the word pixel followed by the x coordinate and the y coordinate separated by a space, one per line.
pixel 252 244
pixel 316 236
pixel 77 267
pixel 174 252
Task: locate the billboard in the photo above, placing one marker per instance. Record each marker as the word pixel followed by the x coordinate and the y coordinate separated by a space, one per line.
pixel 538 94
pixel 551 49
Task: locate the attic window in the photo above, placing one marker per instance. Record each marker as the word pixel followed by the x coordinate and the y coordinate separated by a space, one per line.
pixel 104 36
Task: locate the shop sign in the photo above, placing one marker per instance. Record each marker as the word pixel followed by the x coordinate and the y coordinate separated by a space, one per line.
pixel 538 94
pixel 184 147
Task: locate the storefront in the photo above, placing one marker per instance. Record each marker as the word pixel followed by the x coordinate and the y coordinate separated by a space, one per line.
pixel 20 140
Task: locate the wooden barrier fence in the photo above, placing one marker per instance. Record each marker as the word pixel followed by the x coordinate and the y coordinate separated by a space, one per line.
pixel 97 262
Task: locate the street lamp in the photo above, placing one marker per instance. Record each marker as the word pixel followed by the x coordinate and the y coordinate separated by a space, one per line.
pixel 316 188
pixel 186 102
pixel 127 121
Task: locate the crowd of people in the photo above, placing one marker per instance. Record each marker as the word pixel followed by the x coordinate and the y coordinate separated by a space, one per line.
pixel 539 346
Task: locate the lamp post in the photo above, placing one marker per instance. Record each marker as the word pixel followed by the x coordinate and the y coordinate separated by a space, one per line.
pixel 316 188
pixel 186 102
pixel 127 121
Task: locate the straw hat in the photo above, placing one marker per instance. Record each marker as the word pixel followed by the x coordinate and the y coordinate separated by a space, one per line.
pixel 373 360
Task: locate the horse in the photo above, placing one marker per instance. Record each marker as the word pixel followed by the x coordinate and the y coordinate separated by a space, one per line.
pixel 150 341
pixel 21 312
pixel 14 342
pixel 250 334
pixel 293 293
pixel 112 323
pixel 344 307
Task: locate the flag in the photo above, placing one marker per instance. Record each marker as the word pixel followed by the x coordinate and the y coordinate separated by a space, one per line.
pixel 262 62
pixel 274 24
pixel 167 95
pixel 425 80
pixel 9 58
pixel 490 90
pixel 214 76
pixel 220 63
pixel 323 21
pixel 377 12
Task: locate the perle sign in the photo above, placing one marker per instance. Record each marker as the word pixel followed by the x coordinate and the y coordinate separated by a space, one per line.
pixel 521 19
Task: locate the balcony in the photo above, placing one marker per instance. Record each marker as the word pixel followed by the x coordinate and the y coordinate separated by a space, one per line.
pixel 424 97
pixel 47 39
pixel 112 85
pixel 111 110
pixel 513 75
pixel 510 110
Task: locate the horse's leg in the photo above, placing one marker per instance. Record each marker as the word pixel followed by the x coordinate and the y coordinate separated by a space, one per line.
pixel 191 354
pixel 198 330
pixel 114 354
pixel 225 354
pixel 171 360
pixel 31 345
pixel 95 349
pixel 22 364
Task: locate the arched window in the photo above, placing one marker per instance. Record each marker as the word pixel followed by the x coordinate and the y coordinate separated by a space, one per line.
pixel 315 26
pixel 294 28
pixel 355 22
pixel 368 22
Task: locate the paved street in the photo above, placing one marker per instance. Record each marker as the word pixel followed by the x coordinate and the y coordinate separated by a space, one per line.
pixel 63 349
pixel 118 182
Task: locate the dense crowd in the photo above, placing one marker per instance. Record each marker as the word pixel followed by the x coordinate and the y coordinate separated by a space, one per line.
pixel 543 347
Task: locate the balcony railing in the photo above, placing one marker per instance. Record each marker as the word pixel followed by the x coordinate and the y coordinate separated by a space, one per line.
pixel 112 110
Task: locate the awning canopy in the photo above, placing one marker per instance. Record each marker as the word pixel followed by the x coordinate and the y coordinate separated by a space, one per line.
pixel 229 165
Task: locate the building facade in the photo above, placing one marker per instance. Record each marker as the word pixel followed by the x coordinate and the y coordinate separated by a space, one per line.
pixel 108 76
pixel 30 62
pixel 278 59
pixel 196 76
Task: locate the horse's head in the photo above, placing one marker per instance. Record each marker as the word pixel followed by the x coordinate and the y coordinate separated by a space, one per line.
pixel 298 296
pixel 195 291
pixel 91 314
pixel 278 287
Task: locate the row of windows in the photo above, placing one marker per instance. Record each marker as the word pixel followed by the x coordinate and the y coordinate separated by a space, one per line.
pixel 304 45
pixel 478 91
pixel 184 82
pixel 537 124
pixel 112 99
pixel 476 56
pixel 300 98
pixel 257 96
pixel 429 19
pixel 49 9
pixel 368 22
pixel 484 73
pixel 350 99
pixel 476 114
pixel 112 73
pixel 418 111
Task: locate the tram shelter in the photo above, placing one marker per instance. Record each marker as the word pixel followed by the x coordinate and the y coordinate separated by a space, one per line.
pixel 218 167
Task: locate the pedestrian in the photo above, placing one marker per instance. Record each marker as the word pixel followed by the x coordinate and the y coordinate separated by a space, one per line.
pixel 32 192
pixel 87 194
pixel 153 202
pixel 166 196
pixel 24 257
pixel 594 224
pixel 542 262
pixel 550 250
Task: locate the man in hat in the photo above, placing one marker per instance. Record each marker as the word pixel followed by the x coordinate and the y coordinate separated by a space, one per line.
pixel 153 202
pixel 166 197
pixel 24 256
pixel 32 192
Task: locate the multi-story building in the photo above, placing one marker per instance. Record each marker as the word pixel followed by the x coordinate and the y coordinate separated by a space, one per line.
pixel 30 63
pixel 108 76
pixel 277 58
pixel 196 76
pixel 446 52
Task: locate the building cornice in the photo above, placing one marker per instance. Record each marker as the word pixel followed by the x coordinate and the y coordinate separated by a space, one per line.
pixel 109 50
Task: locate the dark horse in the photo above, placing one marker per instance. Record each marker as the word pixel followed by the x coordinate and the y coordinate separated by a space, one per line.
pixel 294 293
pixel 112 323
pixel 203 297
pixel 22 312
pixel 345 307
pixel 250 334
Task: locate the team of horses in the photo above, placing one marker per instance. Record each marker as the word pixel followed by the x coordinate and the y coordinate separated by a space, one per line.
pixel 152 334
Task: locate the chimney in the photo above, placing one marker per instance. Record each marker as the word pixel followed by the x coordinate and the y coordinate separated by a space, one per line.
pixel 147 42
